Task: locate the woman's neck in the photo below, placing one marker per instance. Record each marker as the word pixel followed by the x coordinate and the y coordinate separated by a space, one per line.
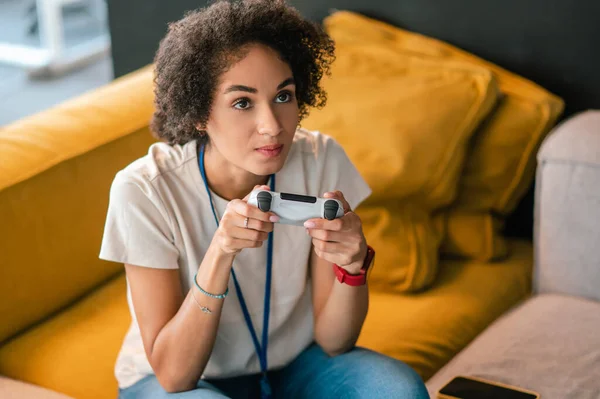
pixel 227 180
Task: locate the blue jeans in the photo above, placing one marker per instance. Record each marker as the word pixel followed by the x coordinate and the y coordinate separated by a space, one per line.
pixel 360 373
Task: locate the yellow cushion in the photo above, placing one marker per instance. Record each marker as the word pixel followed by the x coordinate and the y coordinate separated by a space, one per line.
pixel 405 123
pixel 501 163
pixel 472 234
pixel 55 174
pixel 74 352
pixel 427 329
pixel 406 243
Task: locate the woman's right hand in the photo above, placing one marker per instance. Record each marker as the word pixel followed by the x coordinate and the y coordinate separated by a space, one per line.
pixel 232 236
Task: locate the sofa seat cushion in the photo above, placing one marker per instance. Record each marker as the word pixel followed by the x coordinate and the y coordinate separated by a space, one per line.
pixel 427 329
pixel 74 352
pixel 549 344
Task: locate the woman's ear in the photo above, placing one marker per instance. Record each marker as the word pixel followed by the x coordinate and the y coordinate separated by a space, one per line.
pixel 201 129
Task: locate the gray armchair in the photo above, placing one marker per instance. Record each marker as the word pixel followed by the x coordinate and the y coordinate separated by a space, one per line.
pixel 551 342
pixel 13 389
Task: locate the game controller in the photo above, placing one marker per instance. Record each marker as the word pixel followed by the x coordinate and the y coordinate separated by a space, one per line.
pixel 296 209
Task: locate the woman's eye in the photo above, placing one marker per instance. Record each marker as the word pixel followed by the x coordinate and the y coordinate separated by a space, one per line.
pixel 284 97
pixel 242 104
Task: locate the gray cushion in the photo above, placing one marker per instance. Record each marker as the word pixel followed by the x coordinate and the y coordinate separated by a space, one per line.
pixel 549 344
pixel 567 215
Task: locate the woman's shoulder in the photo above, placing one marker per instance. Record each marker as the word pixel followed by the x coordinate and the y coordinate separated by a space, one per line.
pixel 317 159
pixel 316 145
pixel 326 167
pixel 161 160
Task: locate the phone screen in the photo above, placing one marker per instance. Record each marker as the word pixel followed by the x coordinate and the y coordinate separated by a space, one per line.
pixel 465 388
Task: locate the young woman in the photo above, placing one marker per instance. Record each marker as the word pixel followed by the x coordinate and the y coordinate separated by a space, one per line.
pixel 225 301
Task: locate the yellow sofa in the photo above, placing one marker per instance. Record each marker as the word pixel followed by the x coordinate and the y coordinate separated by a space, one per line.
pixel 64 312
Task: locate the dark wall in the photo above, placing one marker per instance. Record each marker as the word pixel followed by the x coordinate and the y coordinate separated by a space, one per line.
pixel 136 27
pixel 552 42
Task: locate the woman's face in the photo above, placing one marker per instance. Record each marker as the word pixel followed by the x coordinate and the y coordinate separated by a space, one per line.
pixel 254 114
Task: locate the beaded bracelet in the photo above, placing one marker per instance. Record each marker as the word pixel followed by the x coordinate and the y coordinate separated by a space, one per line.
pixel 220 296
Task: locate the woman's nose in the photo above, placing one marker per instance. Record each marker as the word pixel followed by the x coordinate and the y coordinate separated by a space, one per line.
pixel 268 122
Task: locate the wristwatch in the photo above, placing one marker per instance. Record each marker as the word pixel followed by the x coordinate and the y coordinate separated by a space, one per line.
pixel 355 280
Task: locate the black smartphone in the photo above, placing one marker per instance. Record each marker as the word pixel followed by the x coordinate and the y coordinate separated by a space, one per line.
pixel 463 387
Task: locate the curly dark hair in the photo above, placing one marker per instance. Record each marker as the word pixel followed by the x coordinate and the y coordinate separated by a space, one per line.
pixel 202 45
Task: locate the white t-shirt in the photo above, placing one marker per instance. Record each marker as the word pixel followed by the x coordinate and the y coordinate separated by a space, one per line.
pixel 159 216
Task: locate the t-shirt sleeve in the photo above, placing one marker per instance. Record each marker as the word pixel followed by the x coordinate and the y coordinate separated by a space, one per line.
pixel 137 228
pixel 339 173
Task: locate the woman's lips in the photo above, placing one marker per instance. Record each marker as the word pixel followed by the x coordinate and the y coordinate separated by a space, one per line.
pixel 270 151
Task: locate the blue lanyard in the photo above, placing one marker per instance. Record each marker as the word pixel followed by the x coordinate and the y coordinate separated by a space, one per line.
pixel 260 351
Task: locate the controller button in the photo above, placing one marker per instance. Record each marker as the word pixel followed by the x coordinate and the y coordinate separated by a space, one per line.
pixel 264 201
pixel 330 209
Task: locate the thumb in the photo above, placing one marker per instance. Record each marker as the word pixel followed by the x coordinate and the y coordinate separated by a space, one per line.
pixel 339 196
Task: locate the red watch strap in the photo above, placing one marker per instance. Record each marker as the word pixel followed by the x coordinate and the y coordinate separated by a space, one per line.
pixel 355 280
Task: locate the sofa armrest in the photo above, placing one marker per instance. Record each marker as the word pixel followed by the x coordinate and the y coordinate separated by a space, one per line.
pixel 567 209
pixel 13 389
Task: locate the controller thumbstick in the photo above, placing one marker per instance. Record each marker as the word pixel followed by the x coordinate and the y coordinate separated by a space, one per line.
pixel 264 201
pixel 330 209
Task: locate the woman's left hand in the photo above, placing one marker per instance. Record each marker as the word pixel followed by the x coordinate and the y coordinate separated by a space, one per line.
pixel 340 241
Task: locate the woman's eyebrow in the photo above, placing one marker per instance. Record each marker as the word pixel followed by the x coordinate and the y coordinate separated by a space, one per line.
pixel 288 81
pixel 240 88
pixel 248 89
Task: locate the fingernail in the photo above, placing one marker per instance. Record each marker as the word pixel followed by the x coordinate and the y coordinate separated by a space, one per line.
pixel 274 218
pixel 309 224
